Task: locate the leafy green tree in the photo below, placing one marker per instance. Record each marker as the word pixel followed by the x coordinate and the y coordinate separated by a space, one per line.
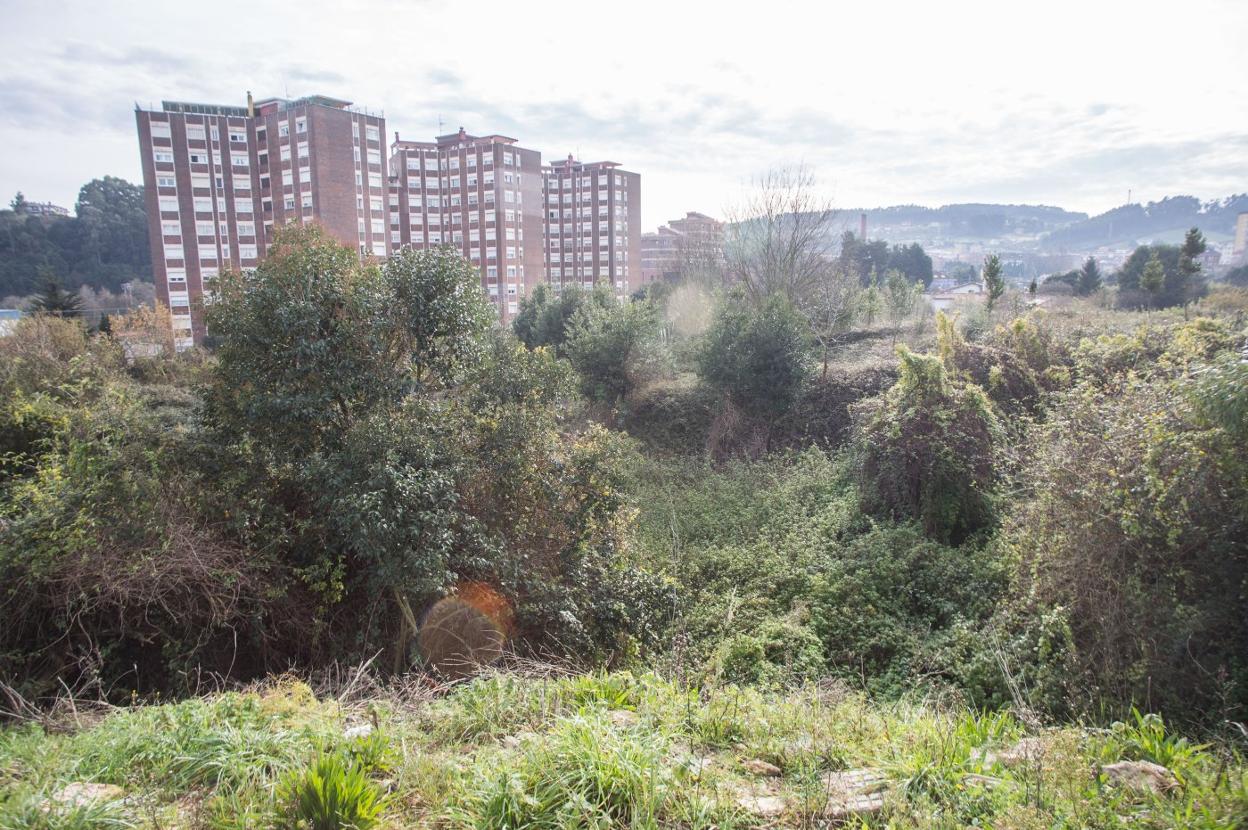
pixel 111 216
pixel 545 315
pixel 756 356
pixel 912 261
pixel 615 349
pixel 994 281
pixel 1153 280
pixel 863 258
pixel 1090 280
pixel 311 340
pixel 105 244
pixel 438 317
pixel 56 300
pixel 18 203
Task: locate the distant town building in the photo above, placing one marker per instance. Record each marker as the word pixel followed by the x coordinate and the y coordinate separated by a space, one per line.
pixel 1240 251
pixel 44 209
pixel 593 225
pixel 8 320
pixel 696 239
pixel 944 298
pixel 481 194
pixel 219 179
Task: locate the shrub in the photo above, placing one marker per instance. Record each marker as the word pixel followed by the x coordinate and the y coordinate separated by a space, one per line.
pixel 615 349
pixel 890 599
pixel 926 451
pixel 330 794
pixel 1134 525
pixel 777 652
pixel 756 356
pixel 545 317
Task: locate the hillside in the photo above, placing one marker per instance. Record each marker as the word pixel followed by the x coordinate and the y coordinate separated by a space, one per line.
pixel 1164 221
pixel 961 221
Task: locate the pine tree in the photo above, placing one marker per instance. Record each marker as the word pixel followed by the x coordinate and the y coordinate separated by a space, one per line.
pixel 56 300
pixel 1153 279
pixel 1190 285
pixel 1089 278
pixel 1031 289
pixel 105 326
pixel 994 282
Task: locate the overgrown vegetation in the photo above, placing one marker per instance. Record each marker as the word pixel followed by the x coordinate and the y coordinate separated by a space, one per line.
pixel 790 530
pixel 597 750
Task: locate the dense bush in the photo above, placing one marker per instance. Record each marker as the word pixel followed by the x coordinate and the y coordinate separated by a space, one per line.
pixel 756 356
pixel 615 348
pixel 1133 523
pixel 366 446
pixel 927 451
pixel 545 316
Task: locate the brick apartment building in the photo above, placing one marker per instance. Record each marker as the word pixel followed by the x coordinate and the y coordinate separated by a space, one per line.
pixel 693 241
pixel 482 194
pixel 218 179
pixel 593 225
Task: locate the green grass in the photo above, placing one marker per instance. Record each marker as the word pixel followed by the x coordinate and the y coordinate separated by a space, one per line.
pixel 601 750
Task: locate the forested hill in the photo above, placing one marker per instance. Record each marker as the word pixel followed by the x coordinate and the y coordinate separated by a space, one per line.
pixel 970 220
pixel 1163 221
pixel 103 245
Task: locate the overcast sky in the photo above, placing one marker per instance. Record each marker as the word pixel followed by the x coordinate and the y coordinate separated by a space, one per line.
pixel 1063 103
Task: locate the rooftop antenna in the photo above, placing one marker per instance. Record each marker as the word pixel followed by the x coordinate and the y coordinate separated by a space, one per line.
pixel 439 123
pixel 1128 195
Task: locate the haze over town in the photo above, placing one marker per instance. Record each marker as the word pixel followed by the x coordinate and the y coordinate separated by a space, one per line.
pixel 1072 104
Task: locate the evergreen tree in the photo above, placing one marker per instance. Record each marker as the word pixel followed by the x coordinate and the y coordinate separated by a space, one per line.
pixel 1190 285
pixel 1090 280
pixel 1031 289
pixel 994 281
pixel 56 300
pixel 105 325
pixel 18 204
pixel 1153 279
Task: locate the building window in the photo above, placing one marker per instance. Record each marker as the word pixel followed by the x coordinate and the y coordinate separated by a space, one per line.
pixel 166 181
pixel 301 125
pixel 160 129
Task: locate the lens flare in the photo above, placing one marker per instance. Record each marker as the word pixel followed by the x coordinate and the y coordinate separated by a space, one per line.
pixel 466 630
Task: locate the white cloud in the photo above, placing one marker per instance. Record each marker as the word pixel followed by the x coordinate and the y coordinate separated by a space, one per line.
pixel 1066 103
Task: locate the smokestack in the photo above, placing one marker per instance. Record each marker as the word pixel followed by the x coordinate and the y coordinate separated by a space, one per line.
pixel 251 105
pixel 862 227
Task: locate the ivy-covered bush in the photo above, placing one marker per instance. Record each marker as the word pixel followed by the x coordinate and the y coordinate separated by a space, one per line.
pixel 927 451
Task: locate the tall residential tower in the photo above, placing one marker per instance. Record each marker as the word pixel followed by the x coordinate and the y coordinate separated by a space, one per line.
pixel 218 179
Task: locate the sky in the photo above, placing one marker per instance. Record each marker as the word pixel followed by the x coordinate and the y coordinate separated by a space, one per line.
pixel 1062 103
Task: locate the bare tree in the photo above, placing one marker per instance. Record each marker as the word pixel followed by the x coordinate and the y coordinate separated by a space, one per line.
pixel 901 296
pixel 832 308
pixel 780 239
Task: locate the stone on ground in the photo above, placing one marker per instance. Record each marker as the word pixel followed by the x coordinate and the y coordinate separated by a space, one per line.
pixel 1142 776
